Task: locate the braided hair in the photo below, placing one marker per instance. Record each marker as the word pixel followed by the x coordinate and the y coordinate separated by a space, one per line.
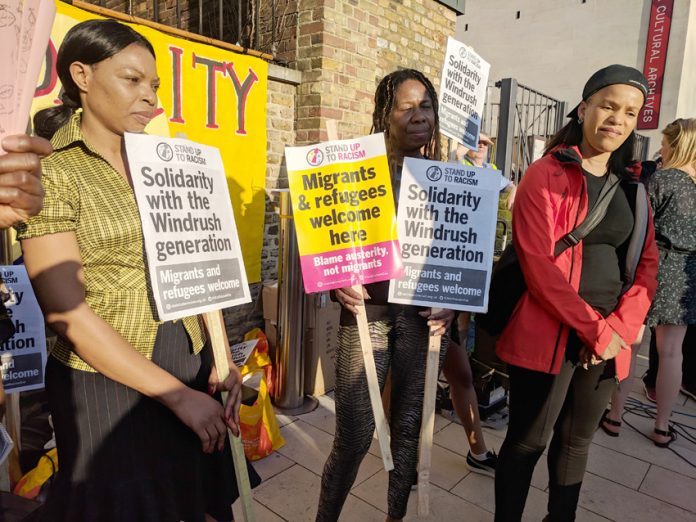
pixel 384 103
pixel 88 42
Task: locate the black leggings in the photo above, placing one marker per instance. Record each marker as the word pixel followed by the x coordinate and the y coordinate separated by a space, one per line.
pixel 571 404
pixel 403 346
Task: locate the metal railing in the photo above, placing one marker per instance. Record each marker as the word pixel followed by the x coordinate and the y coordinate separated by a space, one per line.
pixel 641 148
pixel 251 24
pixel 526 119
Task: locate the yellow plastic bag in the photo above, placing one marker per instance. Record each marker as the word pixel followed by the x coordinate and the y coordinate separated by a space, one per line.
pixel 260 432
pixel 29 486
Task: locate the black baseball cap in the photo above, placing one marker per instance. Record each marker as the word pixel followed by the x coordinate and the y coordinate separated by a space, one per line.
pixel 612 75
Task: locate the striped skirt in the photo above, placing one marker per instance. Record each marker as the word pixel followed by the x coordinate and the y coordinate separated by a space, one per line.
pixel 125 457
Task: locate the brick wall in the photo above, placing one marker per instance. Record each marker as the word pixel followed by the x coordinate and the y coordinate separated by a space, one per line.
pixel 345 47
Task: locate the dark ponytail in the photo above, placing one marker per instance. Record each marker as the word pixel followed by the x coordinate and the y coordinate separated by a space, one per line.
pixel 88 42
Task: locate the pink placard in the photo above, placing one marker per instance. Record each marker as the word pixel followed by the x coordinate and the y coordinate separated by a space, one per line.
pixel 25 28
pixel 10 24
pixel 351 266
pixel 37 19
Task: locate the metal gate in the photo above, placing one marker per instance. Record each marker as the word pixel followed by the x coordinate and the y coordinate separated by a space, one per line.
pixel 640 151
pixel 522 119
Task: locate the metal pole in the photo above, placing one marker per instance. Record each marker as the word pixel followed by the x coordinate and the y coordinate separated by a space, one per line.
pixel 239 24
pixel 273 30
pixel 257 25
pixel 155 10
pixel 200 16
pixel 221 11
pixel 506 125
pixel 561 110
pixel 178 14
pixel 289 394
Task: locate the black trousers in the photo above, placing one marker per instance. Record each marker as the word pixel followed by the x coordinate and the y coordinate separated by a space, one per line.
pixel 570 405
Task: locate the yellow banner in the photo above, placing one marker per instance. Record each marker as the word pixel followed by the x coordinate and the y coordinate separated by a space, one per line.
pixel 211 95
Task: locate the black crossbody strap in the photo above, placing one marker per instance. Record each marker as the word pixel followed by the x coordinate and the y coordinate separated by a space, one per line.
pixel 593 218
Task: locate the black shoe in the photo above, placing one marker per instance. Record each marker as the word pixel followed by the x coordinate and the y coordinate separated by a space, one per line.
pixel 484 467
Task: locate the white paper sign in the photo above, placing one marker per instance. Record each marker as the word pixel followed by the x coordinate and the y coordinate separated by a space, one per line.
pixel 242 351
pixel 22 356
pixel 446 222
pixel 194 258
pixel 462 93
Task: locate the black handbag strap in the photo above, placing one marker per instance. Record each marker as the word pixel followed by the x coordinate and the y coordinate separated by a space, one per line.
pixel 593 218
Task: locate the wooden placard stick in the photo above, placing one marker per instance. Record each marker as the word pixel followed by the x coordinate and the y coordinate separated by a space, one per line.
pixel 373 384
pixel 428 422
pixel 368 356
pixel 215 326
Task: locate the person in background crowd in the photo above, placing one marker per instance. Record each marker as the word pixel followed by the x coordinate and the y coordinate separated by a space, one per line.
pixel 611 420
pixel 457 371
pixel 406 111
pixel 688 386
pixel 479 158
pixel 139 436
pixel 567 340
pixel 673 198
pixel 21 194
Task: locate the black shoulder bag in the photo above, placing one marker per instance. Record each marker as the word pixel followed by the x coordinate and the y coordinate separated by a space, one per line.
pixel 507 280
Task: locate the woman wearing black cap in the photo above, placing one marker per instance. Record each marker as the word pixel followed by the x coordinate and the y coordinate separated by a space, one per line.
pixel 568 340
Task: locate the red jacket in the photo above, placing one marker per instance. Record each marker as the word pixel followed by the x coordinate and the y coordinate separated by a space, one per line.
pixel 551 201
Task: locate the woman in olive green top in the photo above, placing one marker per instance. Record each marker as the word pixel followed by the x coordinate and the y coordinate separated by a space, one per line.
pixel 138 437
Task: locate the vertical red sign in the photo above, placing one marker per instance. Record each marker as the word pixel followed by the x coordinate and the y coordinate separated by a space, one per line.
pixel 655 58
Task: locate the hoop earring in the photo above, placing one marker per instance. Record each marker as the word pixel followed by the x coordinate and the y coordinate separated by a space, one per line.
pixel 580 120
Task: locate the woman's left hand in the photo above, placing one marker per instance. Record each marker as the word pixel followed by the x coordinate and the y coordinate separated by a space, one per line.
pixel 588 358
pixel 233 385
pixel 440 322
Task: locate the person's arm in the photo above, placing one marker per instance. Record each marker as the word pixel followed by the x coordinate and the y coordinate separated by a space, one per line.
pixel 512 188
pixel 21 193
pixel 533 232
pixel 54 266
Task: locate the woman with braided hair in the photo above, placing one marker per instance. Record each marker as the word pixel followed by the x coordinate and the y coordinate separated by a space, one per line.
pixel 406 111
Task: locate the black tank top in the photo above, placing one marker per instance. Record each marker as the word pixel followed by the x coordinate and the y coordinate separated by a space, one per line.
pixel 601 279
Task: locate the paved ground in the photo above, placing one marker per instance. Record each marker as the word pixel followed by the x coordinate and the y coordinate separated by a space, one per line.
pixel 628 478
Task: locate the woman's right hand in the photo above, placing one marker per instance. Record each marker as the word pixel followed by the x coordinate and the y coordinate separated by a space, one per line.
pixel 205 416
pixel 350 299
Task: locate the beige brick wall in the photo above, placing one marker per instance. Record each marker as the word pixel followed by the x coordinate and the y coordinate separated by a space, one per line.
pixel 345 47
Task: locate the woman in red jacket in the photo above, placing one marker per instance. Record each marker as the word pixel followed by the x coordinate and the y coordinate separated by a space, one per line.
pixel 568 340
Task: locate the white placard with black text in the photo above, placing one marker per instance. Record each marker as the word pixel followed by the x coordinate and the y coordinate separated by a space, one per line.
pixel 194 258
pixel 446 221
pixel 23 355
pixel 462 93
